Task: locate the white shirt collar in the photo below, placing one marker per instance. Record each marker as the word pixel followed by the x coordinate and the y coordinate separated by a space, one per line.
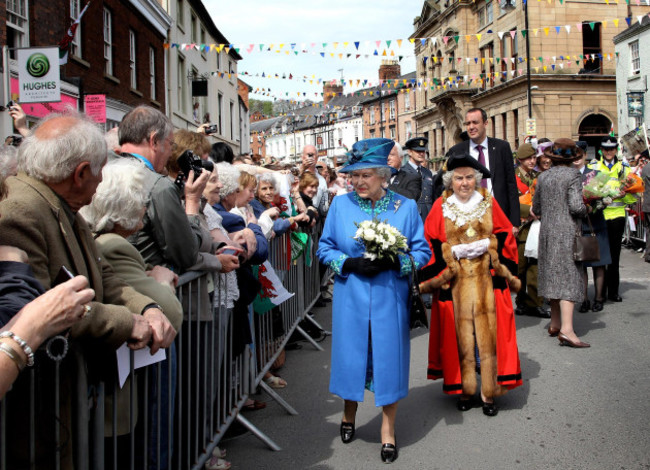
pixel 484 143
pixel 474 200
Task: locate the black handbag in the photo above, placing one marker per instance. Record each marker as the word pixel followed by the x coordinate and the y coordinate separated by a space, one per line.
pixel 418 313
pixel 586 247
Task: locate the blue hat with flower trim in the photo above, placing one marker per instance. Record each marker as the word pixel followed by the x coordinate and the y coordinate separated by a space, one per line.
pixel 369 153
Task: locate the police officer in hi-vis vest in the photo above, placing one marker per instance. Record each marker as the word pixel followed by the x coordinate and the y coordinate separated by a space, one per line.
pixel 614 213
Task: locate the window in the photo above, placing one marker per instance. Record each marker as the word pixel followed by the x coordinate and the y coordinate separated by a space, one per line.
pixel 220 112
pixel 218 61
pixel 202 38
pixel 635 59
pixel 233 131
pixel 489 15
pixel 193 38
pixel 409 131
pixel 132 64
pixel 356 133
pixel 152 73
pixel 504 123
pixel 591 47
pixel 181 84
pixel 382 115
pixel 481 17
pixel 392 133
pixel 17 25
pixel 371 111
pixel 487 65
pixel 330 140
pixel 372 133
pixel 407 100
pixel 75 45
pixel 180 14
pixel 515 122
pixel 391 106
pixel 108 42
pixel 503 43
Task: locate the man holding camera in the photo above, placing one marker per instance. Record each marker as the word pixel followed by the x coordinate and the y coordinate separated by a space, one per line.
pixel 171 235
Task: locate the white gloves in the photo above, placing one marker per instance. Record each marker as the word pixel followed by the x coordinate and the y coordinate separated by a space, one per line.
pixel 471 250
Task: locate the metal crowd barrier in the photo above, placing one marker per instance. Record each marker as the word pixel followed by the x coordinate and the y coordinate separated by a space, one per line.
pixel 63 415
pixel 639 233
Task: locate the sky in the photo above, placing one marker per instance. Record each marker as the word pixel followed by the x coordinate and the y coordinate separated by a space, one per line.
pixel 315 22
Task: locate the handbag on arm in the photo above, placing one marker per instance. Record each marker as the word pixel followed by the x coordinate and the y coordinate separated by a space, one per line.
pixel 586 247
pixel 418 312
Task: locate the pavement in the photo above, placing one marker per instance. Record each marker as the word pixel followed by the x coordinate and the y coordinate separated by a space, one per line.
pixel 577 409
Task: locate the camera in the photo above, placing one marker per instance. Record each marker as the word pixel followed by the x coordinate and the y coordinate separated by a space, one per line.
pixel 188 161
pixel 8 106
pixel 210 129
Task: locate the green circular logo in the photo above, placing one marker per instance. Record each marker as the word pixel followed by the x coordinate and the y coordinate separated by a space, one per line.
pixel 38 65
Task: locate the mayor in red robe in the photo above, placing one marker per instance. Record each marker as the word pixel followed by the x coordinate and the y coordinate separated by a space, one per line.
pixel 470 275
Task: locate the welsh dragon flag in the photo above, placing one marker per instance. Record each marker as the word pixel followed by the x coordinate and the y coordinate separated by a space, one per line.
pixel 64 44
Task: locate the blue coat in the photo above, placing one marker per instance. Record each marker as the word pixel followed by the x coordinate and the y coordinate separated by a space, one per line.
pixel 378 304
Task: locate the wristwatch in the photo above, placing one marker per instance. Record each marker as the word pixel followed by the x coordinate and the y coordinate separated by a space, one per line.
pixel 152 305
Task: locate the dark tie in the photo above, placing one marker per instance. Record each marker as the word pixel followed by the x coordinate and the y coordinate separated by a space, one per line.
pixel 420 171
pixel 481 160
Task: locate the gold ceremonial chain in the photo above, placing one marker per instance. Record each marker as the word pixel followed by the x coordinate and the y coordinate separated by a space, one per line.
pixel 460 217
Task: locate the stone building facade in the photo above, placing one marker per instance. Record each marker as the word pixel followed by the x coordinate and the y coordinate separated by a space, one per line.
pixel 479 59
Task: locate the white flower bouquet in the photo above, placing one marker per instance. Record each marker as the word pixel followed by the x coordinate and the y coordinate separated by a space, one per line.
pixel 380 239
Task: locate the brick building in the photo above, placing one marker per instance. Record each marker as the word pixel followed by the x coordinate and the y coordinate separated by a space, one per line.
pixel 117 51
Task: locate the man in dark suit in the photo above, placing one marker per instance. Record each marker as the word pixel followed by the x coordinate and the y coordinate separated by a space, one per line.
pixel 404 183
pixel 417 151
pixel 496 155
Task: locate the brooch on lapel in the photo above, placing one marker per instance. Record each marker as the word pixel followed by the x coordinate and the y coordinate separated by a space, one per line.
pixel 398 203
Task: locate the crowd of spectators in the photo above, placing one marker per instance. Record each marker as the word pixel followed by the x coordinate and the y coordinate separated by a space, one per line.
pixel 120 215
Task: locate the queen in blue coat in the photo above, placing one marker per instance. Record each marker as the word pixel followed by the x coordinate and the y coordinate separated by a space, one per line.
pixel 370 325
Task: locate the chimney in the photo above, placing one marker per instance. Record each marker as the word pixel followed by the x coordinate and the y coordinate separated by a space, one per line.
pixel 328 89
pixel 389 70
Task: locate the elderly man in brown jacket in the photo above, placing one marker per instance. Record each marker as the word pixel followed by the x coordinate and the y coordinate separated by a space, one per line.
pixel 60 167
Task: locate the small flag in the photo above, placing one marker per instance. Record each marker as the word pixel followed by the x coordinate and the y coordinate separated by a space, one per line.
pixel 64 44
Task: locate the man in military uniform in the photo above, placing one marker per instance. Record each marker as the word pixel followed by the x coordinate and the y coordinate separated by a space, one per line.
pixel 528 301
pixel 614 213
pixel 417 152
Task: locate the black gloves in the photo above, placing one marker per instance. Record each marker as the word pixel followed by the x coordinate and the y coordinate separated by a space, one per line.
pixel 369 268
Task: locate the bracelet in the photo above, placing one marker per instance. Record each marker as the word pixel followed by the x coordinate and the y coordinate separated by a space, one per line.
pixel 13 355
pixel 23 344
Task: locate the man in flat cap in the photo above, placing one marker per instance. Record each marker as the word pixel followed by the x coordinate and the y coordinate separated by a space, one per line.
pixel 417 152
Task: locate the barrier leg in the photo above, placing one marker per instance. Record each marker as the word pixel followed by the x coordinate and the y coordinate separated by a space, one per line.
pixel 259 434
pixel 278 398
pixel 317 325
pixel 308 338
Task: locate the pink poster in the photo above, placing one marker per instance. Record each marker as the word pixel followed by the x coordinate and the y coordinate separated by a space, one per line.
pixel 95 107
pixel 38 110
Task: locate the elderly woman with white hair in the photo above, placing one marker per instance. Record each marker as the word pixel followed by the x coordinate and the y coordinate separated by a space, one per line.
pixel 473 257
pixel 114 214
pixel 370 312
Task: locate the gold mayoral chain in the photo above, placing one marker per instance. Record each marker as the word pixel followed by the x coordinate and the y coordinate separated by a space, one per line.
pixel 461 217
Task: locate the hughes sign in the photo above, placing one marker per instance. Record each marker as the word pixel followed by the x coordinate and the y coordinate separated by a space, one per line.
pixel 38 75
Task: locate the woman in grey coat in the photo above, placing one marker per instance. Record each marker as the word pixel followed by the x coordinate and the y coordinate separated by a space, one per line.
pixel 558 203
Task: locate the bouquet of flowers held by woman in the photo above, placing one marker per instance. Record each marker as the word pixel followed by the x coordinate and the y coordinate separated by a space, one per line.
pixel 601 190
pixel 380 239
